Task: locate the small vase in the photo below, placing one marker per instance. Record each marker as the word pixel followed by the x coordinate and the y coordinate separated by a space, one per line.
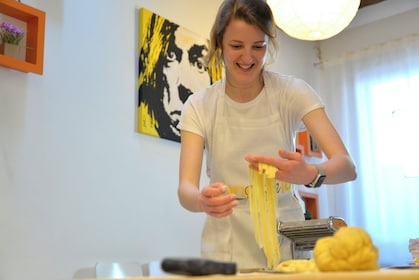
pixel 12 50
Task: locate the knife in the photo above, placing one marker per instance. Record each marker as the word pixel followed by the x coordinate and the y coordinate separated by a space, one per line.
pixel 197 266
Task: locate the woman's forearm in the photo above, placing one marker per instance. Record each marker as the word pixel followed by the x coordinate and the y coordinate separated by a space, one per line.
pixel 339 169
pixel 189 197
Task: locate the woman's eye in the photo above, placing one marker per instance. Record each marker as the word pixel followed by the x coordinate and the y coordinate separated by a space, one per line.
pixel 236 46
pixel 259 46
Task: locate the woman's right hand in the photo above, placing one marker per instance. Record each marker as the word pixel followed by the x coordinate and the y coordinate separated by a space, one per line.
pixel 215 202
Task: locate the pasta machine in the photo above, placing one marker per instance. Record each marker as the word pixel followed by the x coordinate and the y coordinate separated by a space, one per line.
pixel 304 234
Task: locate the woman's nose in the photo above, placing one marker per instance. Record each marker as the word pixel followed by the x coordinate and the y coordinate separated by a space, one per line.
pixel 247 55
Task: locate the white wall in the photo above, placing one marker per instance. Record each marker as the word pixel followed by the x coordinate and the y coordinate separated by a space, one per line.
pixel 78 185
pixel 373 25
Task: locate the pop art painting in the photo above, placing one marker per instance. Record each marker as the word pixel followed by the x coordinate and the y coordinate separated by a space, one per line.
pixel 171 68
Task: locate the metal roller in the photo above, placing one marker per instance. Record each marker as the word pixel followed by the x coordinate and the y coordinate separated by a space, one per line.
pixel 304 234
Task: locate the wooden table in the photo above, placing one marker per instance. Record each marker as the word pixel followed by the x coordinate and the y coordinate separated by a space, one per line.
pixel 383 274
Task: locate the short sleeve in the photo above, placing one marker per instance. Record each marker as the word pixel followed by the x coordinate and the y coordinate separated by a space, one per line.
pixel 190 119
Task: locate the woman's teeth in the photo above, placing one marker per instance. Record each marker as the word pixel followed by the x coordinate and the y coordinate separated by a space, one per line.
pixel 245 66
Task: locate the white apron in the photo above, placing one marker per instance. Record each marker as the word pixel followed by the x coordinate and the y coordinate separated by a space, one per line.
pixel 231 238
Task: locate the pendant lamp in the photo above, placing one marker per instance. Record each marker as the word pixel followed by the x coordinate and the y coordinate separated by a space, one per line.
pixel 313 20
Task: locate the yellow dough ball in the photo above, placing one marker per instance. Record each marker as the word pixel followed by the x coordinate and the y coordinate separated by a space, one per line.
pixel 349 249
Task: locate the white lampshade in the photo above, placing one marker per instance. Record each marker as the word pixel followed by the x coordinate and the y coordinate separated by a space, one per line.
pixel 313 19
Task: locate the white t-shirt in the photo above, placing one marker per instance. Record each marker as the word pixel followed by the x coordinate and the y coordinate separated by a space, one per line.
pixel 294 98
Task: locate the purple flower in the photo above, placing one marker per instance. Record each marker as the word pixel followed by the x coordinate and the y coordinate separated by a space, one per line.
pixel 10 34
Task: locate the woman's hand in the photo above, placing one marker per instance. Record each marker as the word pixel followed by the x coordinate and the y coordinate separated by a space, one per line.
pixel 292 167
pixel 215 202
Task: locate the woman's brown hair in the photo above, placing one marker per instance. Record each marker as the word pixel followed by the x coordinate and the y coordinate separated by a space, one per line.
pixel 253 12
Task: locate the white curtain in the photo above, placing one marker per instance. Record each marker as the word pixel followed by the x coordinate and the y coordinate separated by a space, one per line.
pixel 372 96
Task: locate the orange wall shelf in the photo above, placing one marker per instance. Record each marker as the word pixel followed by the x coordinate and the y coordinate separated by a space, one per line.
pixel 311 201
pixel 307 146
pixel 35 33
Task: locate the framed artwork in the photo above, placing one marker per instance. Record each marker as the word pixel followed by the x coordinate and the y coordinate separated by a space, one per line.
pixel 171 68
pixel 306 145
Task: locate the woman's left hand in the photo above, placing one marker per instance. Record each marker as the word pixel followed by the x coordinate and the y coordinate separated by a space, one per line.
pixel 291 166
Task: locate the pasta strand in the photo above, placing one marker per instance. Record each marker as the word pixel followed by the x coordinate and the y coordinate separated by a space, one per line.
pixel 263 204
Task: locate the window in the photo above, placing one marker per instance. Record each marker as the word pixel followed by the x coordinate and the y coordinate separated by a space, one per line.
pixel 395 115
pixel 372 95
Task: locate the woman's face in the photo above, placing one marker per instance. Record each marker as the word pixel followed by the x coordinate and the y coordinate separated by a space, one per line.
pixel 244 52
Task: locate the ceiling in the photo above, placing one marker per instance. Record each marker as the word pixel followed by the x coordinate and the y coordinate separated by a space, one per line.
pixel 365 3
pixel 375 10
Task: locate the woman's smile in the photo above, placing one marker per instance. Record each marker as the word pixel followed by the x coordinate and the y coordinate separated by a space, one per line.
pixel 245 66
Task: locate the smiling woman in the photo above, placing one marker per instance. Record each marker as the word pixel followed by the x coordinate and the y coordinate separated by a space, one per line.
pixel 250 117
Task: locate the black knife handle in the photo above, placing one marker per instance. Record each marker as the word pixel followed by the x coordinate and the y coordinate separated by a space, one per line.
pixel 197 266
